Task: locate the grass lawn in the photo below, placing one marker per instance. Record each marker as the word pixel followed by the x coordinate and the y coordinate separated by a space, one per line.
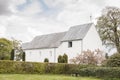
pixel 41 77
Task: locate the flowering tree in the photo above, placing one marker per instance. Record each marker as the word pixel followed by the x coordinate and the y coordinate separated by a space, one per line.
pixel 89 57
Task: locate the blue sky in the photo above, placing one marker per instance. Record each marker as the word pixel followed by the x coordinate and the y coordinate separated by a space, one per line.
pixel 25 19
pixel 28 2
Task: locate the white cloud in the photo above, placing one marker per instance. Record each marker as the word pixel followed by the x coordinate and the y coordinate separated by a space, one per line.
pixel 77 12
pixel 112 3
pixel 2 31
pixel 33 31
pixel 34 20
pixel 31 9
pixel 18 2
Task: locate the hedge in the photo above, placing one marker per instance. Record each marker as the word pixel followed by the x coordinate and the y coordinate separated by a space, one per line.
pixel 102 72
pixel 17 67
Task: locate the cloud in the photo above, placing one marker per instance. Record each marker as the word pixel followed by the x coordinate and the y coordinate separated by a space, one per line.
pixel 76 12
pixel 35 17
pixel 112 3
pixel 33 31
pixel 31 9
pixel 2 31
pixel 5 7
pixel 16 24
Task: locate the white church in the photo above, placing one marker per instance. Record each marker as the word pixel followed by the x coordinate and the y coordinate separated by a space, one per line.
pixel 72 42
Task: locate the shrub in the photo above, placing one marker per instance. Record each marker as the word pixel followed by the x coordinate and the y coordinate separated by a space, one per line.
pixel 39 68
pixel 113 61
pixel 89 57
pixel 12 55
pixel 46 60
pixel 60 59
pixel 23 56
pixel 102 72
pixel 63 59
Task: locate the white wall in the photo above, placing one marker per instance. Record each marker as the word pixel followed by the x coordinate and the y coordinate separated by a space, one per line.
pixel 70 51
pixel 92 40
pixel 38 55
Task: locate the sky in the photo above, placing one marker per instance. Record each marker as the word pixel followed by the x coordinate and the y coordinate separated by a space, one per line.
pixel 25 19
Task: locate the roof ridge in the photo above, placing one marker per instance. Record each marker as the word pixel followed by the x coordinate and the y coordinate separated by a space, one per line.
pixel 51 33
pixel 81 25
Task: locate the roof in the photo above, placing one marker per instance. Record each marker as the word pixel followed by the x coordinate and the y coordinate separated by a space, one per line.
pixel 45 41
pixel 77 32
pixel 54 40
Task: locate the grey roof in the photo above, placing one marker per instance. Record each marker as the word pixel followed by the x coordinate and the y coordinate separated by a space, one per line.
pixel 26 45
pixel 54 40
pixel 77 32
pixel 45 41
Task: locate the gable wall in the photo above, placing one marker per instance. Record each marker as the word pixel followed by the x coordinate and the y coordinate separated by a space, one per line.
pixel 92 40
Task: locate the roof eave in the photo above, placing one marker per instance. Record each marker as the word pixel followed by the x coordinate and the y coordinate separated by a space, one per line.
pixel 40 48
pixel 71 40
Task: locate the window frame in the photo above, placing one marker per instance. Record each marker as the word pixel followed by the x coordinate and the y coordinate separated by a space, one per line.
pixel 70 44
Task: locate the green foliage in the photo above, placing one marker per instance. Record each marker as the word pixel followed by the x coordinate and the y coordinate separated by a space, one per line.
pixel 15 67
pixel 18 49
pixel 63 59
pixel 12 55
pixel 106 56
pixel 23 56
pixel 39 68
pixel 5 49
pixel 113 61
pixel 108 27
pixel 46 60
pixel 60 59
pixel 102 72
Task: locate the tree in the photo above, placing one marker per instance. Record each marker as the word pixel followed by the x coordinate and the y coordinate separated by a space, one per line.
pixel 113 61
pixel 106 56
pixel 60 59
pixel 12 55
pixel 108 25
pixel 23 56
pixel 5 48
pixel 18 49
pixel 63 59
pixel 89 57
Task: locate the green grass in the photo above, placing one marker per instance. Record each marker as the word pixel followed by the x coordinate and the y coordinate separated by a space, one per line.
pixel 41 77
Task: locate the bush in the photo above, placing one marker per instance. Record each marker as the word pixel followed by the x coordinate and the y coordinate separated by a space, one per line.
pixel 12 55
pixel 35 67
pixel 60 59
pixel 63 59
pixel 15 67
pixel 89 57
pixel 113 61
pixel 46 60
pixel 102 72
pixel 23 56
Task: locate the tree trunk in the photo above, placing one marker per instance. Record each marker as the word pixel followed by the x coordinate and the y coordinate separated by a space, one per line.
pixel 117 40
